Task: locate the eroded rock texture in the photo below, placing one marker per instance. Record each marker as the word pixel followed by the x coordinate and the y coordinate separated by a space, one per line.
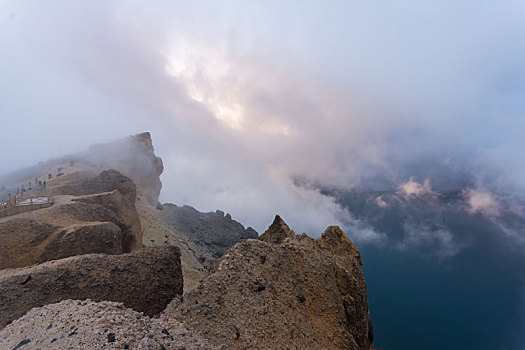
pixel 283 291
pixel 75 324
pixel 214 232
pixel 145 280
pixel 89 222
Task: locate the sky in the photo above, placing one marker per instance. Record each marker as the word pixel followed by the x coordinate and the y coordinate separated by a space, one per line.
pixel 244 98
pixel 258 107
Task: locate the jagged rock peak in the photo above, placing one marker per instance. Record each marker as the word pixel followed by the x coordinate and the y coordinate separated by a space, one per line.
pixel 337 241
pixel 277 232
pixel 334 236
pixel 143 141
pixel 301 293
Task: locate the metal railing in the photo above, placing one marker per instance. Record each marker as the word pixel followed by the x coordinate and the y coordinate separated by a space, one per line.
pixel 18 204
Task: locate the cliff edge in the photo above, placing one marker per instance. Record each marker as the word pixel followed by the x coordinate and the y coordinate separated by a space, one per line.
pixel 282 291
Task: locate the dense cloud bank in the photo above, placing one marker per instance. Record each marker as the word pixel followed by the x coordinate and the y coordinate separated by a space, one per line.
pixel 402 122
pixel 257 109
pixel 242 99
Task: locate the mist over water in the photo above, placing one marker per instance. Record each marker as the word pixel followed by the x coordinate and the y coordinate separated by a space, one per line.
pixel 445 267
pixel 400 122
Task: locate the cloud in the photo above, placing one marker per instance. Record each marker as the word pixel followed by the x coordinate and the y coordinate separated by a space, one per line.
pixel 504 211
pixel 241 98
pixel 411 189
pixel 481 202
pixel 380 202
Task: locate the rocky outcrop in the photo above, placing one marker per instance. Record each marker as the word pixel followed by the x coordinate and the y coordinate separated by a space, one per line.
pixel 126 210
pixel 71 226
pixel 111 190
pixel 145 280
pixel 212 233
pixel 278 232
pixel 107 181
pixel 78 239
pixel 133 156
pixel 283 291
pixel 96 325
pixel 92 221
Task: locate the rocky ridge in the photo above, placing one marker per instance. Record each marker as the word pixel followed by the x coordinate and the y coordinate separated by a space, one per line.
pixel 212 234
pixel 79 221
pixel 133 156
pixel 91 175
pixel 282 291
pixel 291 293
pixel 279 291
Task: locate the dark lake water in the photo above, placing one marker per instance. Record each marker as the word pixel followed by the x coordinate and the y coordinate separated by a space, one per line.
pixel 424 296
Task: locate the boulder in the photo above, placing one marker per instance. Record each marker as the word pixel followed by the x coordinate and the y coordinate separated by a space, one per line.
pixel 145 280
pixel 78 239
pixel 126 210
pixel 107 181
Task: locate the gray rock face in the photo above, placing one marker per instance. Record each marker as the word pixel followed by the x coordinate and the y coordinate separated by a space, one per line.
pixel 214 231
pixel 75 324
pixel 298 293
pixel 145 280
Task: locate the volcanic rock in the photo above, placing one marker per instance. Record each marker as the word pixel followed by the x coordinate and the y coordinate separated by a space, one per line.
pixel 145 280
pixel 134 157
pixel 202 237
pixel 93 222
pixel 75 324
pixel 281 292
pixel 213 231
pixel 107 181
pixel 278 232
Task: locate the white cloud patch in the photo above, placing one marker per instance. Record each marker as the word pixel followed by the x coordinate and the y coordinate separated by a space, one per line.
pixel 484 202
pixel 380 202
pixel 505 212
pixel 362 232
pixel 411 189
